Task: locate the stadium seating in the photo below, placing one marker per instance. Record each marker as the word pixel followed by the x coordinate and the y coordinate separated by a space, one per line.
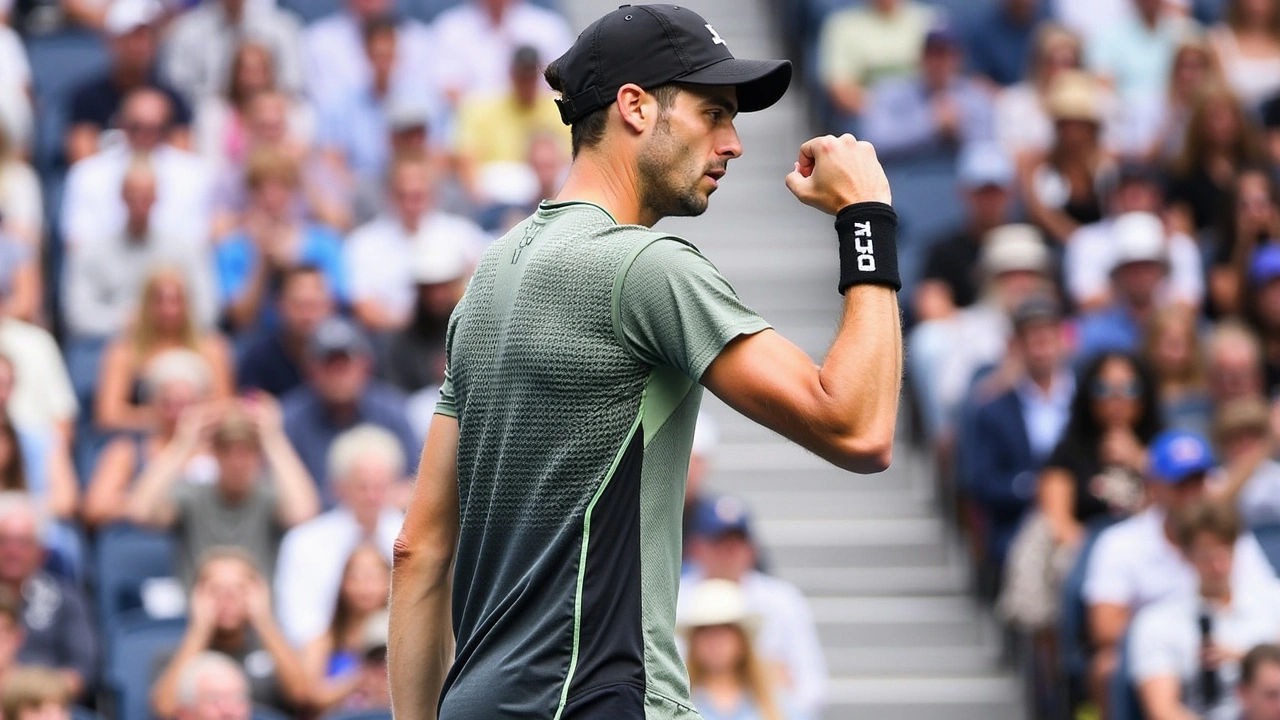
pixel 359 715
pixel 125 557
pixel 1073 653
pixel 1123 694
pixel 59 62
pixel 1269 538
pixel 80 713
pixel 138 645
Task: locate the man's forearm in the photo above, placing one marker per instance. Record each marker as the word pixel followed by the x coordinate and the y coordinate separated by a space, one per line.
pixel 420 641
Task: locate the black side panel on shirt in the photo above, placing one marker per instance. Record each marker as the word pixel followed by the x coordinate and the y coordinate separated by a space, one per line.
pixel 611 639
pixel 615 702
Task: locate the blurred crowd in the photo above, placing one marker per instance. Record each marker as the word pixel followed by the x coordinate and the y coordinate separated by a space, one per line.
pixel 229 248
pixel 1094 349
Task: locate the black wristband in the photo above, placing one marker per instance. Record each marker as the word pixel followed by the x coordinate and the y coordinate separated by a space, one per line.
pixel 868 234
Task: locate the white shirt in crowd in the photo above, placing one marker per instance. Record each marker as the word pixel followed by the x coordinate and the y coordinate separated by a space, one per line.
pixel 1260 497
pixel 379 256
pixel 42 393
pixel 104 278
pixel 309 569
pixel 337 66
pixel 480 53
pixel 1134 564
pixel 92 201
pixel 1088 17
pixel 203 42
pixel 788 635
pixel 1045 414
pixel 1165 641
pixel 1090 254
pixel 20 202
pixel 15 80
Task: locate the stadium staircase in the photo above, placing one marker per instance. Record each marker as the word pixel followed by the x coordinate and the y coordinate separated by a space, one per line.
pixel 885 574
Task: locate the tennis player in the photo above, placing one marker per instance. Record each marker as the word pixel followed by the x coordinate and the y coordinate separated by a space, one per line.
pixel 544 532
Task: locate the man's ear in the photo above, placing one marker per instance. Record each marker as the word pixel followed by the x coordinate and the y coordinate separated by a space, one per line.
pixel 637 107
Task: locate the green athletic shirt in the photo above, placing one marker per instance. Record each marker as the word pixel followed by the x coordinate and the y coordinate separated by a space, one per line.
pixel 572 368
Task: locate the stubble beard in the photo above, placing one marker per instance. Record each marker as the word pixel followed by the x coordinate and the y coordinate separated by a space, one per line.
pixel 661 166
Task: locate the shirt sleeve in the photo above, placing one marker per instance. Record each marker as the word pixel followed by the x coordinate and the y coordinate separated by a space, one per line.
pixel 1153 646
pixel 673 307
pixel 1108 579
pixel 447 404
pixel 79 641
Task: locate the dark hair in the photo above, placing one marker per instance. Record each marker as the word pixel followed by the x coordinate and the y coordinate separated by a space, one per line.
pixel 344 616
pixel 380 25
pixel 1084 426
pixel 588 130
pixel 1265 654
pixel 13 476
pixel 1219 519
pixel 289 274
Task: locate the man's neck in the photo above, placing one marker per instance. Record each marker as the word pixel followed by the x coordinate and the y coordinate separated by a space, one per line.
pixel 340 413
pixel 1217 598
pixel 410 223
pixel 136 232
pixel 127 78
pixel 228 641
pixel 1044 381
pixel 1150 20
pixel 612 186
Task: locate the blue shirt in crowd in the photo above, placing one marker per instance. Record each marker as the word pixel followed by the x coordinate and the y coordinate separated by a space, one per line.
pixel 312 429
pixel 1000 47
pixel 900 119
pixel 1111 329
pixel 237 258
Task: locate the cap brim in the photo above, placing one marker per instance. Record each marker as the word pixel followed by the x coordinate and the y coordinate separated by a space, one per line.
pixel 760 83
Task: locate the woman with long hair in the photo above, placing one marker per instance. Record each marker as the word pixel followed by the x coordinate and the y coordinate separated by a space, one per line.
pixel 1155 128
pixel 1221 141
pixel 1248 47
pixel 727 679
pixel 1061 185
pixel 1251 221
pixel 331 660
pixel 1022 122
pixel 163 321
pixel 173 381
pixel 1172 350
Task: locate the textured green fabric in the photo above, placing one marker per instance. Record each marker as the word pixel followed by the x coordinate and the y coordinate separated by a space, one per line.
pixel 572 329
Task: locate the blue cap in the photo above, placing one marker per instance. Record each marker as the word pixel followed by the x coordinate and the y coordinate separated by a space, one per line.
pixel 1177 455
pixel 1266 264
pixel 715 517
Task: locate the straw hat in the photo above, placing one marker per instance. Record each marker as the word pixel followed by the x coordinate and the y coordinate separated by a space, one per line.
pixel 1074 95
pixel 717 602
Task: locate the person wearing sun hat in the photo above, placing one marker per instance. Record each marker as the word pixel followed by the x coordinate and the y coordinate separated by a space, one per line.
pixel 1136 562
pixel 1139 269
pixel 720 630
pixel 1243 435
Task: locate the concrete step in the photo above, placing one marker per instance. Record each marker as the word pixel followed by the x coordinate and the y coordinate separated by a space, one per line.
pixel 951 579
pixel 972 697
pixel 925 662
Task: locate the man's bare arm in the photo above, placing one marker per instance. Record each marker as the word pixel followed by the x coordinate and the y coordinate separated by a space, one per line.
pixel 420 647
pixel 845 410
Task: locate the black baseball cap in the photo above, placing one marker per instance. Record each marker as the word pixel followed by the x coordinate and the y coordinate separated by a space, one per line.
pixel 652 45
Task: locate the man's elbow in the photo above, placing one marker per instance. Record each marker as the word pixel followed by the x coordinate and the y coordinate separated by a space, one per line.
pixel 865 455
pixel 428 559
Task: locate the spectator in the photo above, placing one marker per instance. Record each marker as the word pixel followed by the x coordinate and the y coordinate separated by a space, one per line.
pixel 55 618
pixel 212 686
pixel 1221 141
pixel 333 660
pixel 354 128
pixel 1140 265
pixel 272 240
pixel 1135 54
pixel 41 396
pixel 1171 347
pixel 1135 564
pixel 1092 17
pixel 950 277
pixel 1154 126
pixel 230 613
pixel 222 114
pixel 337 65
pixel 415 356
pixel 706 437
pixel 21 206
pixel 1259 688
pixel 1000 42
pixel 11 634
pixel 202 42
pixel 788 639
pixel 91 199
pixel 382 256
pixel 21 263
pixel 1090 251
pixel 39 467
pixel 1060 186
pixel 1248 47
pixel 726 676
pixel 364 466
pixel 105 278
pixel 1014 433
pixel 1235 363
pixel 1243 434
pixel 947 353
pixel 35 693
pixel 1021 118
pixel 131 30
pixel 496 130
pixel 1185 652
pixel 272 360
pixel 1263 308
pixel 339 394
pixel 15 90
pixel 172 382
pixel 261 489
pixel 162 320
pixel 932 113
pixel 1251 221
pixel 861 45
pixel 480 36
